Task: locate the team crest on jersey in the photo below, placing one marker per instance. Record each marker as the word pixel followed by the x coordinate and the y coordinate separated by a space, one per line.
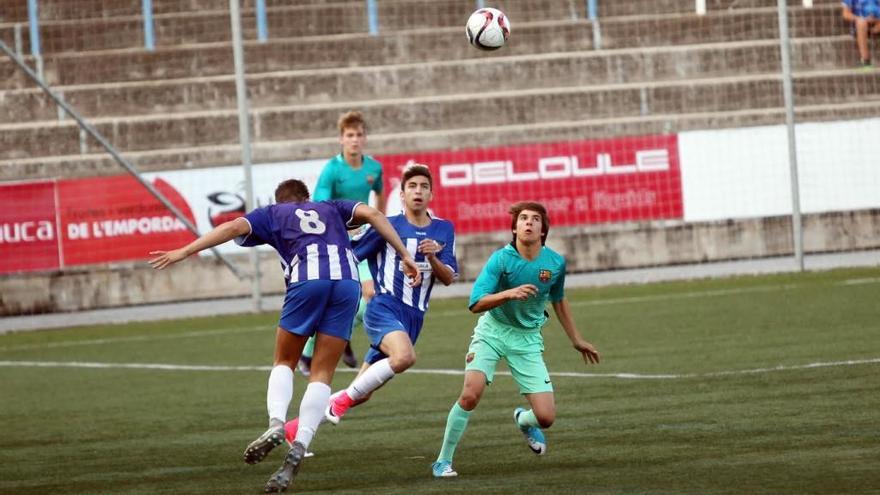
pixel 469 358
pixel 544 275
pixel 370 179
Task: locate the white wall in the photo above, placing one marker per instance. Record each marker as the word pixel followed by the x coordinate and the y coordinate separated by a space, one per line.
pixel 741 173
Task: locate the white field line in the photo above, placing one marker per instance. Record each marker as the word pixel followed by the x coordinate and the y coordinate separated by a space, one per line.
pixel 133 338
pixel 459 372
pixel 596 302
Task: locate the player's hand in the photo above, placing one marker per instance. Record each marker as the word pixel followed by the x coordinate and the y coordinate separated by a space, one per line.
pixel 522 292
pixel 411 270
pixel 164 259
pixel 588 351
pixel 430 247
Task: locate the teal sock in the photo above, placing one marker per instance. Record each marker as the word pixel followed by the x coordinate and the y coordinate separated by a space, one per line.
pixel 528 418
pixel 456 423
pixel 309 349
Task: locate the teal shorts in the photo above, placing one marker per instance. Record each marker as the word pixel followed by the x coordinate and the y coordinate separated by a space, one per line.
pixel 364 272
pixel 522 349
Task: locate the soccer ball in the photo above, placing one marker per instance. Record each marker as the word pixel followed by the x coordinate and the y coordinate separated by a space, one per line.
pixel 488 29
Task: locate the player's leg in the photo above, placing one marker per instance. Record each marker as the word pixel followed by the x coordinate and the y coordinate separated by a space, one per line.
pixel 368 290
pixel 279 393
pixel 480 362
pixel 303 305
pixel 305 360
pixel 392 327
pixel 530 373
pixel 334 330
pixel 457 421
pixel 397 346
pixel 861 26
pixel 292 426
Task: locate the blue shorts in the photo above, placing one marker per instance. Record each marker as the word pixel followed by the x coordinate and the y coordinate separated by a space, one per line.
pixel 325 306
pixel 386 314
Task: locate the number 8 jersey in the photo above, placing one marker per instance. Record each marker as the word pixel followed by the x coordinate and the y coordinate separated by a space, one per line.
pixel 311 238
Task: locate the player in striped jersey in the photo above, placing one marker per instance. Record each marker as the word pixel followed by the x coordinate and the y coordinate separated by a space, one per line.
pixel 393 318
pixel 322 298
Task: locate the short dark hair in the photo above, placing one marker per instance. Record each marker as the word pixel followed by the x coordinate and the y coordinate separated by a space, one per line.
pixel 518 208
pixel 291 191
pixel 416 169
pixel 351 119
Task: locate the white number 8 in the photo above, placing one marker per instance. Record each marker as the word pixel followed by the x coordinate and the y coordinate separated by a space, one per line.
pixel 310 222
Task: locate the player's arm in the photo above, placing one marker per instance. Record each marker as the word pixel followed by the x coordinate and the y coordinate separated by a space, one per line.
pixel 442 272
pixel 485 295
pixel 220 234
pixel 324 187
pixel 490 301
pixel 563 313
pixel 368 214
pixel 381 201
pixel 379 190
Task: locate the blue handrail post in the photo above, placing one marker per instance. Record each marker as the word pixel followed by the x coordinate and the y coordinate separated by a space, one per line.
pixel 481 4
pixel 34 20
pixel 593 16
pixel 149 38
pixel 262 27
pixel 373 17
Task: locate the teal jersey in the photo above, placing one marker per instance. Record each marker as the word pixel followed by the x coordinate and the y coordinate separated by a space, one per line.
pixel 506 269
pixel 339 181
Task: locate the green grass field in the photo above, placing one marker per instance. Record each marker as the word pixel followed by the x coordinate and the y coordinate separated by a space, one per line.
pixel 705 387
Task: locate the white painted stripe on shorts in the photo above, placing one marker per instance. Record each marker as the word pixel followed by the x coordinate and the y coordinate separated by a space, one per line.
pixel 459 372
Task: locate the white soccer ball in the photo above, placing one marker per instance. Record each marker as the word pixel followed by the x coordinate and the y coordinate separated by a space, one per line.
pixel 488 29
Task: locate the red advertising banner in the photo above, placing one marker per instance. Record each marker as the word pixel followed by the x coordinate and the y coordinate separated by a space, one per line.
pixel 581 182
pixel 28 234
pixel 114 218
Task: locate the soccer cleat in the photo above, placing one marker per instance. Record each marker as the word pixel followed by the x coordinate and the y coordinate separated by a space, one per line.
pixel 304 366
pixel 348 357
pixel 281 480
pixel 260 448
pixel 340 403
pixel 443 469
pixel 534 436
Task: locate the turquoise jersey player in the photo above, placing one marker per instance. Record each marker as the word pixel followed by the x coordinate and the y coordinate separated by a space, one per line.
pixel 512 290
pixel 350 175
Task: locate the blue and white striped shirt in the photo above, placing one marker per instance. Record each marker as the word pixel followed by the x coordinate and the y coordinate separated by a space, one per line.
pixel 311 238
pixel 385 264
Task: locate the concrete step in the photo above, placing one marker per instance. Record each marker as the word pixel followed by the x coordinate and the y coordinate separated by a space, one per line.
pixel 654 7
pixel 289 88
pixel 419 46
pixel 291 21
pixel 467 137
pixel 433 113
pixel 66 10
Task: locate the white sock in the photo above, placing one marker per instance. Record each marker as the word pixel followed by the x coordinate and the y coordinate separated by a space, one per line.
pixel 279 392
pixel 377 374
pixel 311 411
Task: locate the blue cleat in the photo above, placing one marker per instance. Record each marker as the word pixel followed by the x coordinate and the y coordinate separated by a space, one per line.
pixel 534 436
pixel 443 469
